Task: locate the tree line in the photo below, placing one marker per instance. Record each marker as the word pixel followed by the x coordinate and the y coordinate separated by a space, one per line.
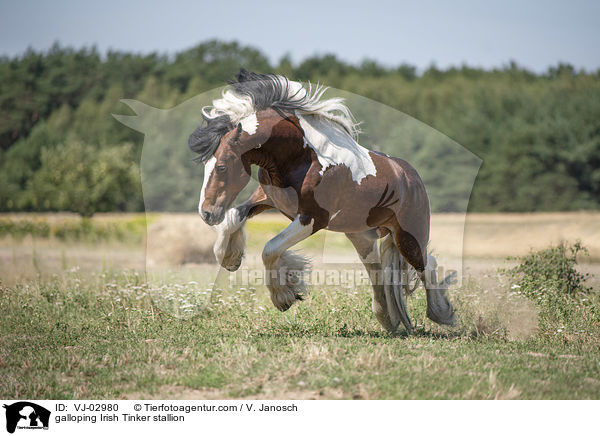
pixel 537 134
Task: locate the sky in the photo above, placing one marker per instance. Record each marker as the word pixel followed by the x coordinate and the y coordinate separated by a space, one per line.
pixel 535 34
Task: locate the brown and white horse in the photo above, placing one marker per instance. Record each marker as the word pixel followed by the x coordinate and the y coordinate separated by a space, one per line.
pixel 312 169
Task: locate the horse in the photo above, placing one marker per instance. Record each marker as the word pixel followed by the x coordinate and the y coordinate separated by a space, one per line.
pixel 312 169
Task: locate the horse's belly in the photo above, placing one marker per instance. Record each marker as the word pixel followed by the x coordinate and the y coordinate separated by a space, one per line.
pixel 347 203
pixel 344 215
pixel 347 221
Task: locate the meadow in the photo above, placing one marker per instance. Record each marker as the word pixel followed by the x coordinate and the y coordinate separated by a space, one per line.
pixel 98 309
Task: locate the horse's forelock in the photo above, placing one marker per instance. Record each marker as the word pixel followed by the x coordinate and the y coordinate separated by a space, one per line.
pixel 205 140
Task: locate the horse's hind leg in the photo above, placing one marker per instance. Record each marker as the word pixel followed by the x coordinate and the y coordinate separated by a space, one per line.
pixel 439 308
pixel 365 244
pixel 394 282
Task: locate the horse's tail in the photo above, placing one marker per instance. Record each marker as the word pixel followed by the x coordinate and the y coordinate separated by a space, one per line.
pixel 394 283
pixel 439 308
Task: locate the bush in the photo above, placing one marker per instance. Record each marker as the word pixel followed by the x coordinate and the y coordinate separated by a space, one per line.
pixel 550 278
pixel 550 272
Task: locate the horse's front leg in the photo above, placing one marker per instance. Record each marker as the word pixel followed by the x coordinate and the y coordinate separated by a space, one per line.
pixel 285 269
pixel 230 245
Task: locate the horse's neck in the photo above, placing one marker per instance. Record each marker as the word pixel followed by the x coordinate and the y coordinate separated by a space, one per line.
pixel 284 161
pixel 333 146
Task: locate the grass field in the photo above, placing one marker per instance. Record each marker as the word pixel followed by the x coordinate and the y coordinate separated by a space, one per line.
pixel 80 319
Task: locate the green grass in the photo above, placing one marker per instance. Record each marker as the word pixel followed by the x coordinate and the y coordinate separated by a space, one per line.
pixel 75 228
pixel 111 335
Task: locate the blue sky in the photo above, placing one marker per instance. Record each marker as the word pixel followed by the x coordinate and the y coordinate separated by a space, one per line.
pixel 536 34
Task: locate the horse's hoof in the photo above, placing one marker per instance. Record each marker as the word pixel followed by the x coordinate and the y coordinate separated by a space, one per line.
pixel 284 297
pixel 232 268
pixel 284 307
pixel 448 319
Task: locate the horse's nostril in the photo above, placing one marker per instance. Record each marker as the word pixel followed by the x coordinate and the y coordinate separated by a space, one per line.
pixel 206 216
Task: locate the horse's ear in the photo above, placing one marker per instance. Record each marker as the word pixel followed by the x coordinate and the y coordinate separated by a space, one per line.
pixel 238 132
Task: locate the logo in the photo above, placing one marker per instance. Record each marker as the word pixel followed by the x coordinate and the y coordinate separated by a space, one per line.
pixel 26 415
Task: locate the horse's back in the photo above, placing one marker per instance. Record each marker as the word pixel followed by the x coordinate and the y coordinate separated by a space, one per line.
pixel 405 178
pixel 395 190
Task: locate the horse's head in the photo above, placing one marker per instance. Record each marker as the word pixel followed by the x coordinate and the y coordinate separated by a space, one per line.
pixel 225 175
pixel 226 171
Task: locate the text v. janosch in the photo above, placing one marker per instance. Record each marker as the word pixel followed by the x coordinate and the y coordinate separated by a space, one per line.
pixel 249 407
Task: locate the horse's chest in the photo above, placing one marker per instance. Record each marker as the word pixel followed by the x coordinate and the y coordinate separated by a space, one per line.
pixel 284 199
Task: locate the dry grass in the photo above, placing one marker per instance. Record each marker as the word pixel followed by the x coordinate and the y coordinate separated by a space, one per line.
pixel 486 305
pixel 177 239
pixel 500 235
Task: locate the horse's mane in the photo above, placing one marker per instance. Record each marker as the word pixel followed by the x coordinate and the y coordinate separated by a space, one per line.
pixel 253 92
pixel 206 138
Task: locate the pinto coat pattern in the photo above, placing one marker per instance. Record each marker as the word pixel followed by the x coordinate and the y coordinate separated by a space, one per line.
pixel 313 170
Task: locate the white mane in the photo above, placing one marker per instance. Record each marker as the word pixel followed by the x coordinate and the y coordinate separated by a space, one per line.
pixel 305 102
pixel 328 124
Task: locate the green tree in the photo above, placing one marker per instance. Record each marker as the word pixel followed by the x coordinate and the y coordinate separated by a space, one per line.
pixel 80 178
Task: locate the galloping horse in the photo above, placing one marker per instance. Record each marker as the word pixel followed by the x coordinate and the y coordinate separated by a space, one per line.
pixel 312 169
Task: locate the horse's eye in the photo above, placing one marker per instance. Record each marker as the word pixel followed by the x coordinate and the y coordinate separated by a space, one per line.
pixel 221 169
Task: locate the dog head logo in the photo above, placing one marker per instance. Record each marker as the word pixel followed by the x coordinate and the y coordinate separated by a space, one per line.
pixel 26 415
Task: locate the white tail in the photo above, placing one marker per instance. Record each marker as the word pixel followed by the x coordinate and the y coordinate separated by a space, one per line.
pixel 439 308
pixel 397 275
pixel 394 283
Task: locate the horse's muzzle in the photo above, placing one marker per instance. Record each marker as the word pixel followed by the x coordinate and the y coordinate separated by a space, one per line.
pixel 212 218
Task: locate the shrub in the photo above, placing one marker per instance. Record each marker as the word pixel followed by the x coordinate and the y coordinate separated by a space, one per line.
pixel 550 278
pixel 550 272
